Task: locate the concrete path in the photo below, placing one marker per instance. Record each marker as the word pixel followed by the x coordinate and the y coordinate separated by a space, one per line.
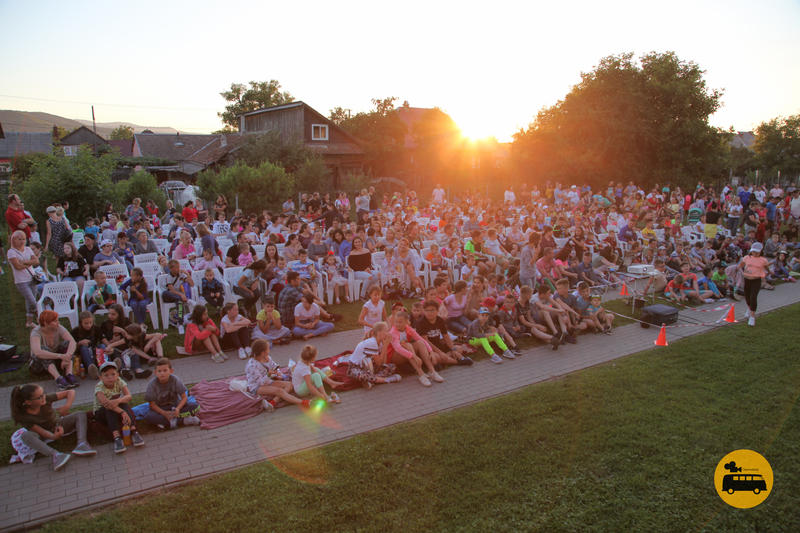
pixel 33 494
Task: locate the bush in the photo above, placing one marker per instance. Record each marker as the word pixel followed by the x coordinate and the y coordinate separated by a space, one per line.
pixel 258 188
pixel 142 185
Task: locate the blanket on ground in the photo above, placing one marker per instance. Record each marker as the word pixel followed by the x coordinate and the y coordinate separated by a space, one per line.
pixel 220 406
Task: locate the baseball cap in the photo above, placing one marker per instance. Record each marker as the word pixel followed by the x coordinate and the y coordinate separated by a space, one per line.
pixel 108 364
pixel 51 209
pixel 756 247
pixel 105 242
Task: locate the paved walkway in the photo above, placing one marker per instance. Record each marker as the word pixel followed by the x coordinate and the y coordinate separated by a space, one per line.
pixel 175 457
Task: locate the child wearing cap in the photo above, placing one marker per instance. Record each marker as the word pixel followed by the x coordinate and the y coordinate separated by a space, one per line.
pixel 111 399
pixel 482 334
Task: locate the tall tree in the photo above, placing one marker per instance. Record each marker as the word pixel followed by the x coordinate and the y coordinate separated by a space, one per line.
pixel 645 120
pixel 121 133
pixel 778 145
pixel 244 99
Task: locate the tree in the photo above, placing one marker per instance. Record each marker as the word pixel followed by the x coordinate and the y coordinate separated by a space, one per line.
pixel 626 120
pixel 244 99
pixel 271 147
pixel 141 184
pixel 121 133
pixel 59 133
pixel 260 187
pixel 777 145
pixel 83 180
pixel 312 176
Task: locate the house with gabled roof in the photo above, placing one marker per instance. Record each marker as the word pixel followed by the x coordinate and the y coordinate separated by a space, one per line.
pixel 79 137
pixel 299 122
pixel 188 155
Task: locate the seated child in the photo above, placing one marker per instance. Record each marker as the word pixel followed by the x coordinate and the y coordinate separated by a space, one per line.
pixel 705 283
pixel 308 380
pixel 209 260
pixel 101 295
pixel 335 278
pixel 135 291
pixel 436 259
pixel 264 380
pixel 169 401
pixel 89 340
pixel 720 279
pixel 212 289
pixel 600 317
pixel 373 310
pixel 178 291
pixel 361 365
pixel 269 326
pixel 410 347
pixel 245 257
pixel 525 316
pixel 41 423
pixel 146 346
pixel 482 334
pixel 433 328
pixel 111 398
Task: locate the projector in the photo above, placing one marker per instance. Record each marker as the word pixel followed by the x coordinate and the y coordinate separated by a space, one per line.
pixel 645 270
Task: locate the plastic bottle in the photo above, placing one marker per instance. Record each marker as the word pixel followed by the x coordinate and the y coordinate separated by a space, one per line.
pixel 126 435
pixel 76 366
pixel 101 356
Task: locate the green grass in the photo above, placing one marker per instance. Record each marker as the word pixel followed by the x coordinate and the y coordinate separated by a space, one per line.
pixel 627 446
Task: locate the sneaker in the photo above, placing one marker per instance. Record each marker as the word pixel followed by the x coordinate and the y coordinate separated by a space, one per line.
pixel 436 377
pixel 516 351
pixel 180 330
pixel 248 350
pixel 127 375
pixel 73 379
pixel 496 359
pixel 709 300
pixel 83 449
pixel 425 381
pixel 194 421
pixel 242 354
pixel 751 321
pixel 465 361
pixel 62 383
pixel 60 460
pixel 143 373
pixel 93 372
pixel 394 378
pixel 607 330
pixel 554 342
pixel 508 355
pixel 747 313
pixel 335 398
pixel 224 356
pixel 217 358
pixel 306 403
pixel 119 446
pixel 268 407
pixel 138 440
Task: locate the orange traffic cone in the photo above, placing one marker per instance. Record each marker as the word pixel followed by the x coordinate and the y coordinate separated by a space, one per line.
pixel 662 336
pixel 731 316
pixel 624 290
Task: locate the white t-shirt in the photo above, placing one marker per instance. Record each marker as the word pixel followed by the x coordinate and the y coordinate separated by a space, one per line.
pixel 366 348
pixel 509 197
pixel 299 371
pixel 374 313
pixel 438 195
pixel 303 315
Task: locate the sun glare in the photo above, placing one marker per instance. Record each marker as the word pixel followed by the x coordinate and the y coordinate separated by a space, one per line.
pixel 475 129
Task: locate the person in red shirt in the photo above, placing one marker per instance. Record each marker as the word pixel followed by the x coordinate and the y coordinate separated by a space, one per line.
pixel 16 218
pixel 189 212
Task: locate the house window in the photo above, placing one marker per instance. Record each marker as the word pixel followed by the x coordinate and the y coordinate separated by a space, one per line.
pixel 70 150
pixel 319 132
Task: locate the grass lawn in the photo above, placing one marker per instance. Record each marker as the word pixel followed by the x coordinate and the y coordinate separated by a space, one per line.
pixel 628 446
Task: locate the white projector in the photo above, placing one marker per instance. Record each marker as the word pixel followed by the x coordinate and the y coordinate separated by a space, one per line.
pixel 644 270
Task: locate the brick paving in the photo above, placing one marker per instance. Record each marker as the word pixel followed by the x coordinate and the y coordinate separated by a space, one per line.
pixel 175 457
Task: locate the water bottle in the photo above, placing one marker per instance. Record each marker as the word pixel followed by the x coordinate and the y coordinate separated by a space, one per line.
pixel 76 366
pixel 126 435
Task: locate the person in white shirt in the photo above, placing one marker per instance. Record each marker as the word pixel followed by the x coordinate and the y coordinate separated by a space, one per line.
pixel 307 321
pixel 366 365
pixel 438 194
pixel 509 197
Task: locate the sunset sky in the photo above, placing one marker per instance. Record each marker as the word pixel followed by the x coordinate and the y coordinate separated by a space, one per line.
pixel 490 65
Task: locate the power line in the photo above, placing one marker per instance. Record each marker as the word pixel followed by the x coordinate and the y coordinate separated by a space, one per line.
pixel 134 106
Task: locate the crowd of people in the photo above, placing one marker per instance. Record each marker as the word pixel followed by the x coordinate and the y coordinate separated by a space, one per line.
pixel 482 275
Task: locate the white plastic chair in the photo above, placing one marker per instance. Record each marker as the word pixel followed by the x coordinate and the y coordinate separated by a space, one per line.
pixel 114 272
pixel 162 245
pixel 141 259
pixel 260 250
pixel 64 296
pixel 231 276
pixel 197 277
pixel 164 307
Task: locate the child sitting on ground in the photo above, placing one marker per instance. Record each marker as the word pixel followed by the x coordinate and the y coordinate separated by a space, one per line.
pixel 308 380
pixel 212 289
pixel 41 423
pixel 600 317
pixel 373 310
pixel 269 326
pixel 264 379
pixel 169 401
pixel 362 362
pixel 525 316
pixel 482 334
pixel 147 346
pixel 111 399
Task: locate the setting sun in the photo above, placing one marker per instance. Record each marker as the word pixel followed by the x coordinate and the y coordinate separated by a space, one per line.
pixel 476 128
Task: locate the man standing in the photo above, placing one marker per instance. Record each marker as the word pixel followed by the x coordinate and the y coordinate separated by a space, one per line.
pixel 16 218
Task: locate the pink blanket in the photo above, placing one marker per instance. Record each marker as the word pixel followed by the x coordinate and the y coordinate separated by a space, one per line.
pixel 220 406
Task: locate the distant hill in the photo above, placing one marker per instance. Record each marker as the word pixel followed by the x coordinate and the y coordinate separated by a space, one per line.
pixel 33 121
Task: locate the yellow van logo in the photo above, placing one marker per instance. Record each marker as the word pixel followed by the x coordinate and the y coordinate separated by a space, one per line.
pixel 743 479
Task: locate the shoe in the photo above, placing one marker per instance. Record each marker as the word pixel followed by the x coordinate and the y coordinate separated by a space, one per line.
pixel 268 407
pixel 60 460
pixel 508 355
pixel 93 372
pixel 217 358
pixel 83 449
pixel 554 342
pixel 516 351
pixel 496 359
pixel 224 356
pixel 436 377
pixel 242 354
pixel 73 379
pixel 747 313
pixel 63 384
pixel 138 440
pixel 119 446
pixel 607 330
pixel 194 421
pixel 571 339
pixel 143 373
pixel 180 330
pixel 335 398
pixel 709 300
pixel 306 403
pixel 465 361
pixel 248 350
pixel 425 381
pixel 127 375
pixel 394 378
pixel 751 321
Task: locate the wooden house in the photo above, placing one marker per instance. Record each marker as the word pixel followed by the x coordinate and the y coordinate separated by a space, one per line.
pixel 82 136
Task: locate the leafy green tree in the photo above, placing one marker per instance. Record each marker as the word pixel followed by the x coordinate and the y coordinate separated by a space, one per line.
pixel 260 187
pixel 121 133
pixel 645 120
pixel 244 99
pixel 83 180
pixel 270 147
pixel 380 131
pixel 778 145
pixel 312 176
pixel 142 185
